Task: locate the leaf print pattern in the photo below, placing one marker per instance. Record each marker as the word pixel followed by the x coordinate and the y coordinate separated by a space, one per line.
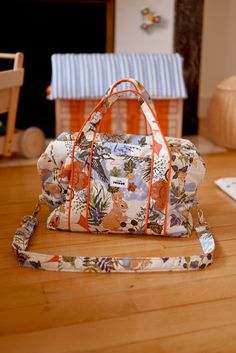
pixel 100 203
pixel 129 166
pixel 99 264
pixel 115 172
pixel 142 142
pixel 55 174
pixel 113 264
pixel 144 179
pixel 187 172
pixel 110 264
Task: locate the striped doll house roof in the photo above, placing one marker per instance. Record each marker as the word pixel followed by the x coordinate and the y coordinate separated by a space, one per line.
pixel 81 76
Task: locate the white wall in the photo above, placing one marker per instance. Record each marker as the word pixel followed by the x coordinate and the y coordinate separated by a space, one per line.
pixel 129 37
pixel 218 60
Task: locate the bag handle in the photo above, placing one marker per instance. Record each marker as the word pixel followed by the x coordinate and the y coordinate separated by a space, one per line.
pixel 139 88
pixel 91 123
pixel 136 85
pixel 86 138
pixel 62 263
pixel 90 126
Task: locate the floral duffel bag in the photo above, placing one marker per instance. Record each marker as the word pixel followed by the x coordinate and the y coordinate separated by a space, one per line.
pixel 100 183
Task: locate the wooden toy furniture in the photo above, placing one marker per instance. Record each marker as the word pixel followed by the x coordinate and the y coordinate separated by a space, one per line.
pixel 10 82
pixel 30 142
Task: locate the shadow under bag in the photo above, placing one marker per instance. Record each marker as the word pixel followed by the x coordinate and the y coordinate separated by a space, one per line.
pixel 109 183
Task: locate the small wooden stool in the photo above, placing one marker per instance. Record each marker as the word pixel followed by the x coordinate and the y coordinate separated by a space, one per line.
pixel 221 116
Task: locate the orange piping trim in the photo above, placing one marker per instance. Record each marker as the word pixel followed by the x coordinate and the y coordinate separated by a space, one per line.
pixel 72 184
pixel 167 192
pixel 89 174
pixel 150 188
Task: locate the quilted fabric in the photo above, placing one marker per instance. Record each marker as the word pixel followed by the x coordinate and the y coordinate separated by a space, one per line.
pixel 101 183
pixel 114 208
pixel 121 183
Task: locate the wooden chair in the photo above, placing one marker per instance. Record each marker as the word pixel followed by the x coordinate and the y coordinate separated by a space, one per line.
pixel 30 143
pixel 10 83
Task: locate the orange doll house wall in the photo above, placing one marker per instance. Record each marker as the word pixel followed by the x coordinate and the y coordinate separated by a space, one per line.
pixel 124 117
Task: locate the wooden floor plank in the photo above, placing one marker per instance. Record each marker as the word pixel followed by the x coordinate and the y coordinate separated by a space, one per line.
pixel 121 330
pixel 152 312
pixel 221 339
pixel 86 307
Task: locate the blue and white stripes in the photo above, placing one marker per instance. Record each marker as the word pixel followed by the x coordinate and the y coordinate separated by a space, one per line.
pixel 78 76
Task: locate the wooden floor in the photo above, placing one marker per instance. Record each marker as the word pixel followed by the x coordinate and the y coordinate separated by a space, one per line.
pixel 47 312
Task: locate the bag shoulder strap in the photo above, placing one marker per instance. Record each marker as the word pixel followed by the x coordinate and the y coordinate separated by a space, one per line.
pixel 110 264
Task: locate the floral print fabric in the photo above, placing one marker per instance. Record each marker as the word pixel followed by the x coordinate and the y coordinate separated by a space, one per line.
pixel 127 157
pixel 132 184
pixel 121 184
pixel 109 264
